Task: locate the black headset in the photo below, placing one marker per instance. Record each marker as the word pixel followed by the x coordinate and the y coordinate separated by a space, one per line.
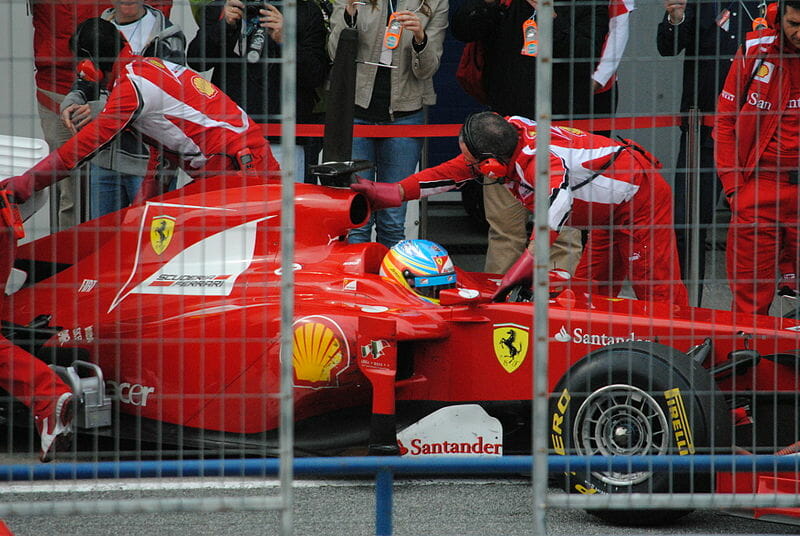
pixel 489 164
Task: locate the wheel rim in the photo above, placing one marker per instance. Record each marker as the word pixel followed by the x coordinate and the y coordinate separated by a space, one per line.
pixel 621 420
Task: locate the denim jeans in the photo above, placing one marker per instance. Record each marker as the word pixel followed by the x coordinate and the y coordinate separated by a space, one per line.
pixel 299 159
pixel 111 190
pixel 394 159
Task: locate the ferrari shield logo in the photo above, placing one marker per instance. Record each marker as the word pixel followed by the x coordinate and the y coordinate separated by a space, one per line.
pixel 510 345
pixel 161 230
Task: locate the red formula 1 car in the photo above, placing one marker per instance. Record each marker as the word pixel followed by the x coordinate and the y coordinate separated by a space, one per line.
pixel 174 305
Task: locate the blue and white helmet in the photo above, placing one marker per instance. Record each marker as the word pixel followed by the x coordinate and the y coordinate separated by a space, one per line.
pixel 422 266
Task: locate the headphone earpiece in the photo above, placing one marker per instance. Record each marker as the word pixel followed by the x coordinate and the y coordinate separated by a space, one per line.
pixel 489 165
pixel 88 71
pixel 491 168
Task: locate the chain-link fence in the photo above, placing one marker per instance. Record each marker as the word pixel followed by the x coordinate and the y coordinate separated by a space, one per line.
pixel 206 305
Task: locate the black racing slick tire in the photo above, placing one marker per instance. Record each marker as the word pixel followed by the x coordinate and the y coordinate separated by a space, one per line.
pixel 638 398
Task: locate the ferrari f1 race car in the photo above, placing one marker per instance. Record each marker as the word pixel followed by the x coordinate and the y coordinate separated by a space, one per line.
pixel 165 320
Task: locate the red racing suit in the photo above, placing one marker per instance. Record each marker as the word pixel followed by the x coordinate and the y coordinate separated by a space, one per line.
pixel 757 153
pixel 26 378
pixel 597 183
pixel 176 109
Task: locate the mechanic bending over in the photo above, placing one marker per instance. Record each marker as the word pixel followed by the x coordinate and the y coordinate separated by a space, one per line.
pixel 610 187
pixel 171 106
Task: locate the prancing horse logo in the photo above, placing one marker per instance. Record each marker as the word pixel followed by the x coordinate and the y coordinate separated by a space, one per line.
pixel 161 231
pixel 510 345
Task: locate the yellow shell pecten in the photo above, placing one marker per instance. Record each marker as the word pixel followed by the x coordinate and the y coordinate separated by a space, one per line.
pixel 316 352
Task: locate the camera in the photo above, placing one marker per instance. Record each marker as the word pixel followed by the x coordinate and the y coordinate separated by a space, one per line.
pixel 257 37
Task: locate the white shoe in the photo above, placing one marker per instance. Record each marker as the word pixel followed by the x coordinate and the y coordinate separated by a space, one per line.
pixel 55 429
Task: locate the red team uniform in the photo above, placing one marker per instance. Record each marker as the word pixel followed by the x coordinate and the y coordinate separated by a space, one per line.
pixel 598 183
pixel 758 150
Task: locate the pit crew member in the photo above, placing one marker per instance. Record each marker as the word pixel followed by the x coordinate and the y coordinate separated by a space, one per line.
pixel 612 187
pixel 174 109
pixel 25 377
pixel 757 135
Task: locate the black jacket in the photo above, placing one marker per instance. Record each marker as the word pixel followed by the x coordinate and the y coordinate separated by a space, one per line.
pixel 708 48
pixel 578 33
pixel 215 46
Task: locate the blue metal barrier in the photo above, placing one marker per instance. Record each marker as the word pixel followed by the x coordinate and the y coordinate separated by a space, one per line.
pixel 384 469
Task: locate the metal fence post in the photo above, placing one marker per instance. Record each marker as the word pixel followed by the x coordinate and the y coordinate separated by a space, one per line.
pixel 692 205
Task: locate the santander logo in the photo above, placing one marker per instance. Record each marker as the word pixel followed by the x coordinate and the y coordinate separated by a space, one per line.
pixel 421 447
pixel 463 430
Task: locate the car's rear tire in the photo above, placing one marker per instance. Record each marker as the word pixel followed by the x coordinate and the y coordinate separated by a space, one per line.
pixel 638 398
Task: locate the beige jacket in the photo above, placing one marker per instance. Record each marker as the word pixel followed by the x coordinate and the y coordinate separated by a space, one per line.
pixel 412 80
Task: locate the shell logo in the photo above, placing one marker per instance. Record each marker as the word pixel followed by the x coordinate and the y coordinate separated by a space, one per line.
pixel 318 355
pixel 204 86
pixel 763 71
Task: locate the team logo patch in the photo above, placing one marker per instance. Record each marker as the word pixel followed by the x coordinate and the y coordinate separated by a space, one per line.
pixel 317 356
pixel 158 63
pixel 511 345
pixel 161 230
pixel 204 86
pixel 764 72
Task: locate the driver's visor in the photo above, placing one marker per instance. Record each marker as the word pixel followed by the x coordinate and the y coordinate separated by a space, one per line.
pixel 430 281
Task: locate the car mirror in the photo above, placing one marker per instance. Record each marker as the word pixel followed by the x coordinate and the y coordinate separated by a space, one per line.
pixel 458 296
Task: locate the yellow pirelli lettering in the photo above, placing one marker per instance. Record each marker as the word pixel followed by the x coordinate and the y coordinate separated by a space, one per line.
pixel 680 422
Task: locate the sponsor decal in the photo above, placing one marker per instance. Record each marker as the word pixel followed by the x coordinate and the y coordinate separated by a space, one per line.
pixel 764 71
pixel 572 130
pixel 374 351
pixel 158 63
pixel 350 284
pixel 754 100
pixel 320 352
pixel 793 104
pixel 221 257
pixel 161 230
pixel 183 280
pixel 680 422
pixel 579 336
pixel 134 394
pixel 204 87
pixel 461 430
pixel 557 425
pixel 87 285
pixel 420 447
pixel 728 96
pixel 76 335
pixel 511 345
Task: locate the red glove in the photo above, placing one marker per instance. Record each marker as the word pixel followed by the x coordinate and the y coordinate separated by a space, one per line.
pixel 49 171
pixel 520 271
pixel 380 194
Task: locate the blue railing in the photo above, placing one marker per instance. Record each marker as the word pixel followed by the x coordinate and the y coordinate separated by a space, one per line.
pixel 384 469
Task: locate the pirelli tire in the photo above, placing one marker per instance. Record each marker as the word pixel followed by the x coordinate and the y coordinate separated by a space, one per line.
pixel 638 398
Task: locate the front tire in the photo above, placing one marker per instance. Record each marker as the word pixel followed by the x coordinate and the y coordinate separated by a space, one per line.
pixel 638 398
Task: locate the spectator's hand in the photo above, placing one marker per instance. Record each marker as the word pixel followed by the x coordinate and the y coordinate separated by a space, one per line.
pixel 380 194
pixel 520 272
pixel 410 21
pixel 76 116
pixel 272 20
pixel 233 11
pixel 676 10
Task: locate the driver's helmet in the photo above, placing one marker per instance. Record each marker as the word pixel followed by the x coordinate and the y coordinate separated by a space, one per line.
pixel 422 266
